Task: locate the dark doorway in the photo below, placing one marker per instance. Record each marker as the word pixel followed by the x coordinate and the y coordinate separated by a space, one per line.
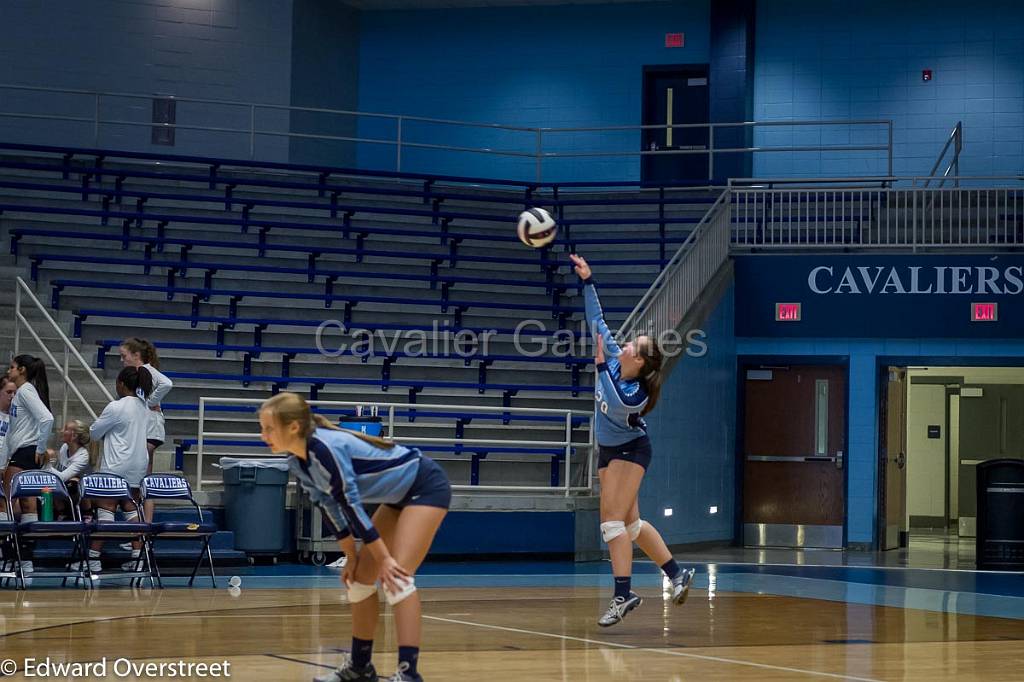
pixel 675 95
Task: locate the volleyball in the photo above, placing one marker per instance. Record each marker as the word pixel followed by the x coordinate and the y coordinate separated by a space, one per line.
pixel 536 227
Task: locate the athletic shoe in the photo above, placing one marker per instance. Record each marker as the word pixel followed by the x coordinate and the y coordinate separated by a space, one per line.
pixel 134 564
pixel 346 672
pixel 681 585
pixel 126 546
pixel 340 563
pixel 27 569
pixel 618 608
pixel 401 675
pixel 93 566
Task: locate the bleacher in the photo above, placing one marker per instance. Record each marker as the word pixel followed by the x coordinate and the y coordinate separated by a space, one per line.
pixel 230 267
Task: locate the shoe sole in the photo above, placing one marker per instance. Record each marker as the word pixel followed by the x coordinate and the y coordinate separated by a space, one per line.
pixel 681 599
pixel 623 616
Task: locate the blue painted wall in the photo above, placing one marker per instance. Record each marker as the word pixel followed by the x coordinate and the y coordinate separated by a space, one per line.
pixel 831 59
pixel 216 49
pixel 325 75
pixel 529 66
pixel 693 429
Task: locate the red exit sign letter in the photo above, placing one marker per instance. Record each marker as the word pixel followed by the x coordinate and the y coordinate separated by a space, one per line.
pixel 984 312
pixel 674 40
pixel 787 312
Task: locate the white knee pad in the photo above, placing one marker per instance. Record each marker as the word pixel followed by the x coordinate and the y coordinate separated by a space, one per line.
pixel 408 587
pixel 358 592
pixel 634 529
pixel 612 529
pixel 104 516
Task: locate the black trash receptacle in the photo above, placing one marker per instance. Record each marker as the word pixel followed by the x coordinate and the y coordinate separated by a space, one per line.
pixel 255 491
pixel 1000 531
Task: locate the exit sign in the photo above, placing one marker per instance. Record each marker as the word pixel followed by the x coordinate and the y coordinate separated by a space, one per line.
pixel 984 312
pixel 674 40
pixel 787 312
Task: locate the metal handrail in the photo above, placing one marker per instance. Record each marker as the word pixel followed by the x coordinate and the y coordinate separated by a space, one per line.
pixel 675 265
pixel 69 349
pixel 532 147
pixel 955 138
pixel 567 443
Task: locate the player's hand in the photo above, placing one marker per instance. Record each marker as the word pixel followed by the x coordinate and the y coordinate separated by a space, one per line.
pixel 582 269
pixel 348 573
pixel 392 576
pixel 599 356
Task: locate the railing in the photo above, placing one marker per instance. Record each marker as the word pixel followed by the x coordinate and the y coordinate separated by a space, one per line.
pixel 236 129
pixel 70 352
pixel 956 140
pixel 902 215
pixel 682 281
pixel 387 411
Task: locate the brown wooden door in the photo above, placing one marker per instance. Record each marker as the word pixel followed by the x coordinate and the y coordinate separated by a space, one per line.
pixel 894 450
pixel 794 446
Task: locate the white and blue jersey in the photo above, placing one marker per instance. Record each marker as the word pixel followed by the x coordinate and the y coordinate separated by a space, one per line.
pixel 341 472
pixel 618 402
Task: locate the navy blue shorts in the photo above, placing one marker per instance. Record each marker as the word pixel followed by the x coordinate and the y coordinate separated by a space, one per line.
pixel 24 458
pixel 637 451
pixel 430 488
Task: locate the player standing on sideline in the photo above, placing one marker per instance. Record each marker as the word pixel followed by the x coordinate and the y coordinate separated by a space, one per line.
pixel 341 470
pixel 29 431
pixel 628 385
pixel 122 425
pixel 136 352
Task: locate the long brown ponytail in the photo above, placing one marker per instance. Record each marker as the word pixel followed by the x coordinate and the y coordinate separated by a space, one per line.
pixel 287 407
pixel 652 373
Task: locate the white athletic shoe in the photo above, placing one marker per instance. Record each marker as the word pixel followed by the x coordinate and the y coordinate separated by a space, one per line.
pixel 92 566
pixel 133 564
pixel 618 608
pixel 126 546
pixel 402 675
pixel 681 585
pixel 27 568
pixel 340 563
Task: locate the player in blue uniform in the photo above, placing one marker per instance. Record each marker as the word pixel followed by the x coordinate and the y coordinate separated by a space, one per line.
pixel 628 385
pixel 341 470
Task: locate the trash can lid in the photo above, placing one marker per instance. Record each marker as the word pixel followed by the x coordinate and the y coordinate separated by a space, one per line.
pixel 279 463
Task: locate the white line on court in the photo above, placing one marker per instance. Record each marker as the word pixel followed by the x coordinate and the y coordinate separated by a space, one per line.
pixel 665 652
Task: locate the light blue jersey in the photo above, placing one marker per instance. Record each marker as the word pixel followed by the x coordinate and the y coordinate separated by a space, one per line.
pixel 618 402
pixel 342 471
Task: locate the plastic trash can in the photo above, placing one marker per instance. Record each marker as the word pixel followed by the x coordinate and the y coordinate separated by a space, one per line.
pixel 254 503
pixel 1000 523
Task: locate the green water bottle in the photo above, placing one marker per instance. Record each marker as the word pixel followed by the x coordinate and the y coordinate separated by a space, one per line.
pixel 46 508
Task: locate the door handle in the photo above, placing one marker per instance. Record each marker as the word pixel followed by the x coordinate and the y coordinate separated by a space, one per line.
pixel 901 460
pixel 839 459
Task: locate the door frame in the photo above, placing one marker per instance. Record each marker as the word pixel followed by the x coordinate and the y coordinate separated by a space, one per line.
pixel 651 69
pixel 882 419
pixel 882 363
pixel 745 362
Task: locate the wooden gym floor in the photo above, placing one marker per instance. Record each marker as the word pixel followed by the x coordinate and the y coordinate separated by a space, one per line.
pixel 292 627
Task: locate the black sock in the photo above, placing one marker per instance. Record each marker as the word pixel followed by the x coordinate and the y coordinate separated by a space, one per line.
pixel 671 569
pixel 410 656
pixel 362 652
pixel 622 586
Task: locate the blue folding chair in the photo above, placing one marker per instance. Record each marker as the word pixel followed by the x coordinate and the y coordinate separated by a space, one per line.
pixel 107 486
pixel 11 552
pixel 32 484
pixel 158 487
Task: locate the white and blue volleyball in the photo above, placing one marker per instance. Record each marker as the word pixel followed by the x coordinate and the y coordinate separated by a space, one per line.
pixel 536 227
